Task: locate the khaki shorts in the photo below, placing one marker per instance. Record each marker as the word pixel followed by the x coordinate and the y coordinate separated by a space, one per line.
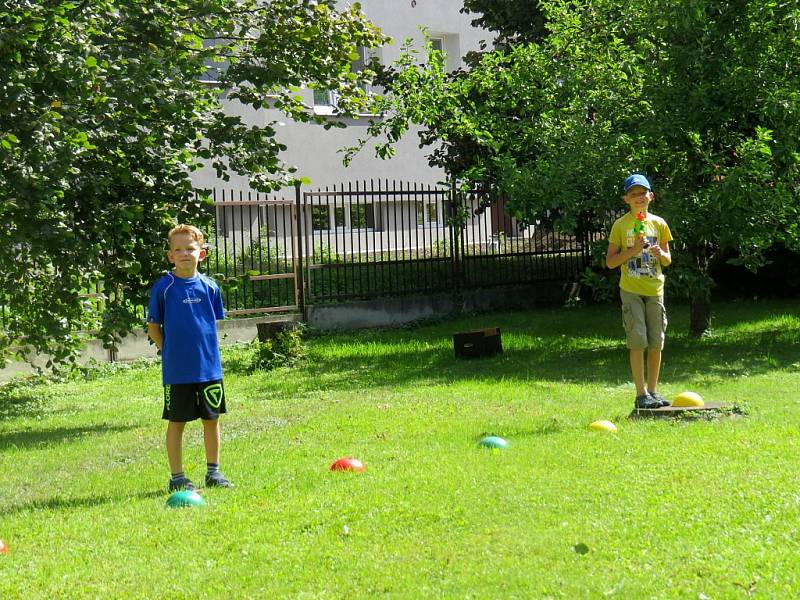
pixel 645 320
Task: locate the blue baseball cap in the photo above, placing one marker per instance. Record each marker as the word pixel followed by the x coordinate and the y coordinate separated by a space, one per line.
pixel 637 179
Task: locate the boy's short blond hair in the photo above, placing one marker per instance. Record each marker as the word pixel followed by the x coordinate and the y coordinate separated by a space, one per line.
pixel 191 230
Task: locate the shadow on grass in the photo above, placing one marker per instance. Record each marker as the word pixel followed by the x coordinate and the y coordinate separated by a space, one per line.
pixel 561 346
pixel 79 502
pixel 55 435
pixel 548 426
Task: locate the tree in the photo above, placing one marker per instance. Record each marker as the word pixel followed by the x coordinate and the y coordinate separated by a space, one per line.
pixel 105 109
pixel 515 21
pixel 701 96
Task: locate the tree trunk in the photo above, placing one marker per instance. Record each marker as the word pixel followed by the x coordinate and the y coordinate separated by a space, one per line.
pixel 699 316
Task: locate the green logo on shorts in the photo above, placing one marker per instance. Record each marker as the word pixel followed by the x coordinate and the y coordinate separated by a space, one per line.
pixel 213 395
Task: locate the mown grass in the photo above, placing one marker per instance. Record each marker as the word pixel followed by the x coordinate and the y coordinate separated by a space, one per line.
pixel 667 509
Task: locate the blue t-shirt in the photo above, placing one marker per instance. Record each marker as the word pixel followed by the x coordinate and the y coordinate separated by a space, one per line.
pixel 188 311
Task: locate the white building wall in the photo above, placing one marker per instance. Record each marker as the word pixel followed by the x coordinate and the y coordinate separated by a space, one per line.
pixel 315 151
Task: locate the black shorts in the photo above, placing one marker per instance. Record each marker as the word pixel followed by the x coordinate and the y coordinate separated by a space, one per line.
pixel 189 401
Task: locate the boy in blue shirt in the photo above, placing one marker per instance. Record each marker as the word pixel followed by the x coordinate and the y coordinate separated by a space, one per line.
pixel 638 246
pixel 182 321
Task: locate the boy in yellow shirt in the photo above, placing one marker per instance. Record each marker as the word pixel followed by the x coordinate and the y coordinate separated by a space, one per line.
pixel 639 246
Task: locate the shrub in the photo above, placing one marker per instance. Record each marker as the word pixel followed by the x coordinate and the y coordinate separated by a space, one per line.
pixel 602 282
pixel 284 349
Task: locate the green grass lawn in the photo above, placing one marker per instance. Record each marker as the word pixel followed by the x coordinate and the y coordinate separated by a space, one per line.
pixel 679 508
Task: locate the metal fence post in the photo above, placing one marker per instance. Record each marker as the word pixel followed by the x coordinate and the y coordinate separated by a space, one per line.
pixel 455 249
pixel 299 274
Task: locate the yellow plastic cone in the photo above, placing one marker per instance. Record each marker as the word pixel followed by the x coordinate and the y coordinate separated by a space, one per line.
pixel 688 399
pixel 603 426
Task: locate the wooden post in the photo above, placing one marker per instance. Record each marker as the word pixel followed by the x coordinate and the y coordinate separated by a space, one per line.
pixel 299 280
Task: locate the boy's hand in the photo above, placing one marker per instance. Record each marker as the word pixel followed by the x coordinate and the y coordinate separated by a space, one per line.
pixel 639 244
pixel 656 250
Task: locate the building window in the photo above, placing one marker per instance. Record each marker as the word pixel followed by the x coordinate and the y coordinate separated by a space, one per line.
pixel 433 213
pixel 214 69
pixel 320 218
pixel 325 101
pixel 360 63
pixel 324 98
pixel 427 213
pixel 450 46
pixel 338 217
pixel 362 216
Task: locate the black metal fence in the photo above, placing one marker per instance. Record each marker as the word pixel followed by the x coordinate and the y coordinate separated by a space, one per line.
pixel 252 252
pixel 375 240
pixel 371 239
pixel 379 238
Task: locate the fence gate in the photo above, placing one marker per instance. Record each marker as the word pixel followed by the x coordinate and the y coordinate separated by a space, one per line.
pixel 376 238
pixel 253 253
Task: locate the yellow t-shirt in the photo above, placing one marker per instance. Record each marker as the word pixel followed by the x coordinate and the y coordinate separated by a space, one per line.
pixel 641 274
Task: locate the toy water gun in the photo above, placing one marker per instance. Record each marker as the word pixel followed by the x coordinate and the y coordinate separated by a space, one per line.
pixel 639 229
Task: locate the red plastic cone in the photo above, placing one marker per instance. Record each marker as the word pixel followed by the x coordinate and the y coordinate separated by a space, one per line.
pixel 348 464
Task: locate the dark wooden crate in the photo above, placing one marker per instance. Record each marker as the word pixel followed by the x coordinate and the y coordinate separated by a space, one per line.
pixel 475 344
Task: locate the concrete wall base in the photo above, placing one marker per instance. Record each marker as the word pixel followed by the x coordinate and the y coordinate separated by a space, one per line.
pixel 136 345
pixel 392 312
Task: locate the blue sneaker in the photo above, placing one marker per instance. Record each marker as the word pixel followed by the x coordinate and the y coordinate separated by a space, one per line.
pixel 181 484
pixel 218 480
pixel 647 401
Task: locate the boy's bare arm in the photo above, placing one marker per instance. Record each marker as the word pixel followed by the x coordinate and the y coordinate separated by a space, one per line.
pixel 616 257
pixel 155 334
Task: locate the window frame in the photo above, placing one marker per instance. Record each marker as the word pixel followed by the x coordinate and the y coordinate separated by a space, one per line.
pixel 331 106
